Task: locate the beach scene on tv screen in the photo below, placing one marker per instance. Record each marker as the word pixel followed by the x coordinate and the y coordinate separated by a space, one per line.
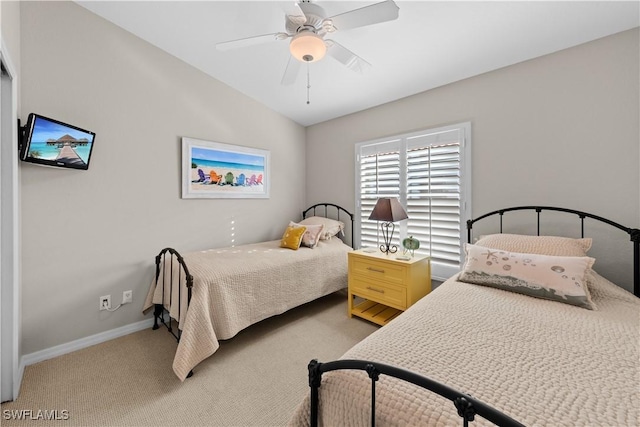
pixel 59 143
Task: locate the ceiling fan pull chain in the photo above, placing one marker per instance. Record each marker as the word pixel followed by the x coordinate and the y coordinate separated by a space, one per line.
pixel 308 84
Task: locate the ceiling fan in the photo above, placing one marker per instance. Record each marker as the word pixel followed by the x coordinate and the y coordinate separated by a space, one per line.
pixel 307 25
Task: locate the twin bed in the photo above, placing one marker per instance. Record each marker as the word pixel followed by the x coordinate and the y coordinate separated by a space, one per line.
pixel 214 294
pixel 533 361
pixel 503 355
pixel 538 362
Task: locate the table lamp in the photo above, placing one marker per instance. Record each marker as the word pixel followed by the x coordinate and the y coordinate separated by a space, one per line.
pixel 388 210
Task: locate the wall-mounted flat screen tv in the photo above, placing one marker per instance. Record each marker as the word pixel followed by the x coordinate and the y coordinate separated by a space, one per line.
pixel 50 142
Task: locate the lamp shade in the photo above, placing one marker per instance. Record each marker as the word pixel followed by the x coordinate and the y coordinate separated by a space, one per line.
pixel 388 209
pixel 307 46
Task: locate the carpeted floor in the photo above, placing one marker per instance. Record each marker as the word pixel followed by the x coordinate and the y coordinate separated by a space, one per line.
pixel 257 378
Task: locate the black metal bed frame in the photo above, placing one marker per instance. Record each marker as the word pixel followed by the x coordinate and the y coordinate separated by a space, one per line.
pixel 634 233
pixel 338 210
pixel 467 406
pixel 159 309
pixel 161 259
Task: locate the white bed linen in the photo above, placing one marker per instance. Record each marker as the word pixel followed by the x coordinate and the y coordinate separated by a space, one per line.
pixel 541 362
pixel 237 287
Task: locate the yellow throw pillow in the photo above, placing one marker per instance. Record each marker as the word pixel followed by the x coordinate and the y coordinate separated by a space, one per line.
pixel 292 237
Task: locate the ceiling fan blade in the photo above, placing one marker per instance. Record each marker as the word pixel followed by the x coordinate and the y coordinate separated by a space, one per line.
pixel 250 41
pixel 291 72
pixel 368 15
pixel 346 57
pixel 295 14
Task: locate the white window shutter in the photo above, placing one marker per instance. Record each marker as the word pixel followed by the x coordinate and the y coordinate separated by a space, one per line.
pixel 425 170
pixel 433 201
pixel 379 177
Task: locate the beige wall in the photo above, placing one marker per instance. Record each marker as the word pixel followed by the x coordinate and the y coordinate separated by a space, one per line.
pixel 560 130
pixel 96 232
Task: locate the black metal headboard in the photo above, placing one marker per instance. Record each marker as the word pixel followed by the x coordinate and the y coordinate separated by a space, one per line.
pixel 633 233
pixel 339 209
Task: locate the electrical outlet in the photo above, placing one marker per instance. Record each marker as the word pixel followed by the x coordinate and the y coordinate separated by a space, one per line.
pixel 105 302
pixel 127 297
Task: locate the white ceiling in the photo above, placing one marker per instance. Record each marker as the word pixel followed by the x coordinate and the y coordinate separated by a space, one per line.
pixel 431 44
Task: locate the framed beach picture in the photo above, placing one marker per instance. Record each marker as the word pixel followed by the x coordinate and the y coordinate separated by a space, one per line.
pixel 216 170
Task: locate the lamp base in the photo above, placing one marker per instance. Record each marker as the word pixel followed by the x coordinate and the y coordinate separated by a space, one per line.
pixel 388 248
pixel 391 249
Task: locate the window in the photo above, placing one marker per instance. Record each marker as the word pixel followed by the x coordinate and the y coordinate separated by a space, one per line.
pixel 430 173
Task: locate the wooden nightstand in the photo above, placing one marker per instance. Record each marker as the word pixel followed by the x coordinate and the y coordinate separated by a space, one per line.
pixel 388 285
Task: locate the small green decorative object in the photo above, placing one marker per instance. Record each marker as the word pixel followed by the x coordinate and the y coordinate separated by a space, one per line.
pixel 410 244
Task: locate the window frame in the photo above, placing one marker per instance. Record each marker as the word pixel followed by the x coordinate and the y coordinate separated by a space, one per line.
pixel 438 271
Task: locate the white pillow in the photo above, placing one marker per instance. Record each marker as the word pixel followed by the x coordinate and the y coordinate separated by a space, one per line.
pixel 557 278
pixel 311 236
pixel 542 245
pixel 331 226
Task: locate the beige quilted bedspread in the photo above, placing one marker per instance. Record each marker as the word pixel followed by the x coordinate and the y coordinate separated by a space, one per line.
pixel 237 287
pixel 541 362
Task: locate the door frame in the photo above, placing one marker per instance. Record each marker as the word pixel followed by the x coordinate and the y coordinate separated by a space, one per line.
pixel 10 367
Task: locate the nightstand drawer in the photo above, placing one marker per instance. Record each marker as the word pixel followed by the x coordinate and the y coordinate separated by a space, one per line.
pixel 375 270
pixel 395 296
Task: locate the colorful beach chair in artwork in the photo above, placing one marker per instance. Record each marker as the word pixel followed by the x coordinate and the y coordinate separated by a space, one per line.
pixel 201 176
pixel 240 179
pixel 259 180
pixel 228 178
pixel 214 177
pixel 252 180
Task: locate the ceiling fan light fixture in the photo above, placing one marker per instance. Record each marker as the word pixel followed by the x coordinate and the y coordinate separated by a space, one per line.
pixel 307 47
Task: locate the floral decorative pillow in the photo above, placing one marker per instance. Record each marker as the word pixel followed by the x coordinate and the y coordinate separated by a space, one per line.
pixel 311 236
pixel 557 278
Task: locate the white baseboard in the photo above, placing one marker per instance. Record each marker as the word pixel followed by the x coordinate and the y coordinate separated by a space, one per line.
pixel 59 350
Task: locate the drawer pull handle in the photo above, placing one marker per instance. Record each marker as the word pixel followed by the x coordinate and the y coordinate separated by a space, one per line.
pixel 375 269
pixel 375 290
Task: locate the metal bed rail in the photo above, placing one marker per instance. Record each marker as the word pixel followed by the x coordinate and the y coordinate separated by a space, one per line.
pixel 339 209
pixel 159 309
pixel 467 406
